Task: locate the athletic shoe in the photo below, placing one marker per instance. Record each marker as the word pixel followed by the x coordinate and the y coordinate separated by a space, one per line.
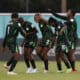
pixel 34 71
pixel 73 71
pixel 5 66
pixel 59 71
pixel 45 71
pixel 29 70
pixel 69 70
pixel 11 73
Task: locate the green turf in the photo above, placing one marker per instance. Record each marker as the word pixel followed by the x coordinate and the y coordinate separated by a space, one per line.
pixel 52 75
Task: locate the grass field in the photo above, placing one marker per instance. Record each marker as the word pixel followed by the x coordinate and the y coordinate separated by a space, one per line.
pixel 52 75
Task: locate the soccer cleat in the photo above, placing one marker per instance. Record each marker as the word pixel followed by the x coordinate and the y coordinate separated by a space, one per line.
pixel 5 66
pixel 69 70
pixel 29 70
pixel 73 71
pixel 34 71
pixel 45 71
pixel 59 71
pixel 11 73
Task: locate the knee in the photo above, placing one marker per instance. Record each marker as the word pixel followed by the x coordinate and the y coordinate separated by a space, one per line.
pixel 30 57
pixel 45 56
pixel 16 57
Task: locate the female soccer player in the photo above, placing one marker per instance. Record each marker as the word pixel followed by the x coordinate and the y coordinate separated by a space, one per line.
pixel 45 44
pixel 29 44
pixel 61 42
pixel 12 31
pixel 72 34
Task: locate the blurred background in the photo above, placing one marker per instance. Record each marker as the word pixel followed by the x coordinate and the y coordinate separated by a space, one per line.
pixel 38 5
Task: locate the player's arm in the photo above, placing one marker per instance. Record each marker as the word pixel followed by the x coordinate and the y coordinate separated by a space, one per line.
pixel 5 38
pixel 21 30
pixel 29 33
pixel 63 29
pixel 57 15
pixel 34 31
pixel 75 32
pixel 66 34
pixel 24 33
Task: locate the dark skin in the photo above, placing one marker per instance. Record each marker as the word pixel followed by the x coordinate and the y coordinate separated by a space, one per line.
pixel 70 15
pixel 15 55
pixel 42 52
pixel 27 51
pixel 59 55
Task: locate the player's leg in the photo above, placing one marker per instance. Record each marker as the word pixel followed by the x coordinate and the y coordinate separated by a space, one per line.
pixel 7 65
pixel 58 57
pixel 13 64
pixel 66 61
pixel 58 60
pixel 71 56
pixel 31 59
pixel 45 58
pixel 29 53
pixel 39 52
pixel 72 59
pixel 26 59
pixel 15 53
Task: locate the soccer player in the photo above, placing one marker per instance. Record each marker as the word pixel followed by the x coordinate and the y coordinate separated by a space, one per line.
pixel 45 44
pixel 29 44
pixel 61 42
pixel 12 31
pixel 72 34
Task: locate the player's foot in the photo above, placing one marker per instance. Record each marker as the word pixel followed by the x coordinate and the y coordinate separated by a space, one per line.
pixel 75 70
pixel 45 71
pixel 11 73
pixel 34 71
pixel 59 71
pixel 29 70
pixel 5 66
pixel 69 70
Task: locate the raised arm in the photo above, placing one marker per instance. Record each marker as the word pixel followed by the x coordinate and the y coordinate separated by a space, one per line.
pixel 57 15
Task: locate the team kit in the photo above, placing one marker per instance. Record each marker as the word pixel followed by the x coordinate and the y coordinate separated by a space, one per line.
pixel 64 39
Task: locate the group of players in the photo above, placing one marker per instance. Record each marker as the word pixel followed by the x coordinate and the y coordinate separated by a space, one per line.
pixel 64 39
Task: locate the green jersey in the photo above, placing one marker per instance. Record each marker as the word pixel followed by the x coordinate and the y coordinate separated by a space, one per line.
pixel 72 30
pixel 30 40
pixel 12 31
pixel 46 30
pixel 61 37
pixel 72 33
pixel 47 35
pixel 30 29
